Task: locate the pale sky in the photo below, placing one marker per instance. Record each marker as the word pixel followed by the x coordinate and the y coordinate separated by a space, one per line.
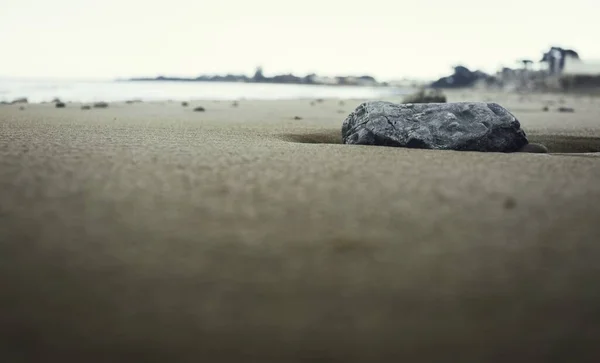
pixel 384 38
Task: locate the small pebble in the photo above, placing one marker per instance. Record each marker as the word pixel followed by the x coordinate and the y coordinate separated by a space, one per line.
pixel 510 203
pixel 566 109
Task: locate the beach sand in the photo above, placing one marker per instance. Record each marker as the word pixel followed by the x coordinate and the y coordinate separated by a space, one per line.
pixel 151 233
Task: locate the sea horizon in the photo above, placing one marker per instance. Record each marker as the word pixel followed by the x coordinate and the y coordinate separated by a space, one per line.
pixel 71 90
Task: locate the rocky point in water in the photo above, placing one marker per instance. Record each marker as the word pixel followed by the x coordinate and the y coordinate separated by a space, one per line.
pixel 465 126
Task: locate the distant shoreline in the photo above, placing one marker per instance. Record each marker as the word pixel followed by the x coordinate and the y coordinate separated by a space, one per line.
pixel 362 81
pixel 192 80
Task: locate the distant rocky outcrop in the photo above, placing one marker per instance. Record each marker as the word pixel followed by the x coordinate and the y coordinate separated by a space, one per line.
pixel 464 126
pixel 462 77
pixel 60 104
pixel 19 100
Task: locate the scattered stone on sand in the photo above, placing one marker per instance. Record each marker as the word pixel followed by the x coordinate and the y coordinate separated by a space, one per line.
pixel 545 109
pixel 184 104
pixel 313 103
pixel 510 203
pixel 100 105
pixel 465 126
pixel 130 102
pixel 566 109
pixel 60 105
pixel 86 107
pixel 320 100
pixel 534 148
pixel 342 103
pixel 235 104
pixel 19 100
pixel 297 118
pixel 22 108
pixel 426 96
pixel 199 109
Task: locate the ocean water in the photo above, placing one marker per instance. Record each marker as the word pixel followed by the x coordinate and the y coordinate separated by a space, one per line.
pixel 92 91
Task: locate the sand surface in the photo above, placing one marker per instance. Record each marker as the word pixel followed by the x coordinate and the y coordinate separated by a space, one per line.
pixel 151 233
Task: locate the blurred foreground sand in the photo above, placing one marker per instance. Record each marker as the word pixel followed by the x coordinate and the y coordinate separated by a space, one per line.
pixel 149 232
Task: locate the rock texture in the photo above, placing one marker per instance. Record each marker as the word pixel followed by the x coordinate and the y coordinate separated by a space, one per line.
pixel 468 126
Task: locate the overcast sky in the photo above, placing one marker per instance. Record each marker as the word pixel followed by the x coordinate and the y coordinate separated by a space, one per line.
pixel 385 38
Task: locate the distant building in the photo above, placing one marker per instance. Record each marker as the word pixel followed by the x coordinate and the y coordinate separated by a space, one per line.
pixel 557 57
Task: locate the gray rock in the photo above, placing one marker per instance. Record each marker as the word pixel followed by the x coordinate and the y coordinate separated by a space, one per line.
pixel 468 126
pixel 100 105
